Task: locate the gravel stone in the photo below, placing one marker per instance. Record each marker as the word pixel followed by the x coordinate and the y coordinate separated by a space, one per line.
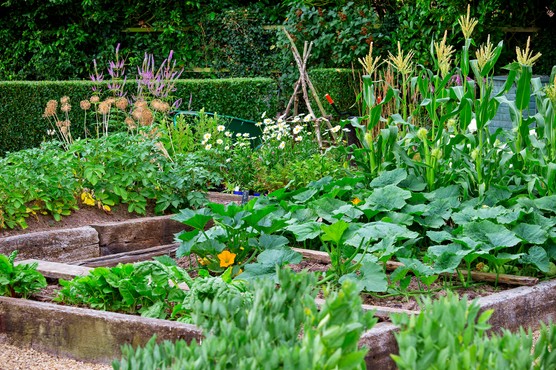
pixel 14 358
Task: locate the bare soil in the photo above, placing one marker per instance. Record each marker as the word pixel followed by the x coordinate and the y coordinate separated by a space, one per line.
pixel 409 298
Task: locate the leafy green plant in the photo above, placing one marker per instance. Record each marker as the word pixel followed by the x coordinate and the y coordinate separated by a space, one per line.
pixel 239 234
pixel 19 280
pixel 297 333
pixel 149 288
pixel 450 333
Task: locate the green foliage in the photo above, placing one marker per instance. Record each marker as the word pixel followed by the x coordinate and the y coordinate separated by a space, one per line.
pixel 112 170
pixel 22 104
pixel 37 181
pixel 149 288
pixel 341 33
pixel 451 334
pixel 341 84
pixel 56 40
pixel 274 328
pixel 239 235
pixel 19 280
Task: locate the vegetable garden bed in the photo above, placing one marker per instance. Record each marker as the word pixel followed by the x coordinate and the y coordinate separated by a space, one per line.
pixel 67 331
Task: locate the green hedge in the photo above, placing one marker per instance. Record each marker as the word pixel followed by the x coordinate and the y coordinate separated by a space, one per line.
pixel 22 104
pixel 342 85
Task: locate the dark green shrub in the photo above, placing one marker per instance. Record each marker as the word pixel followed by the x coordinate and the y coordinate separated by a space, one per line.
pixel 342 84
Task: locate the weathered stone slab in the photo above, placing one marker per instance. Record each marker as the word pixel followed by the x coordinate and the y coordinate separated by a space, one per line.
pixel 523 306
pixel 79 333
pixel 381 343
pixel 141 233
pixel 57 270
pixel 56 245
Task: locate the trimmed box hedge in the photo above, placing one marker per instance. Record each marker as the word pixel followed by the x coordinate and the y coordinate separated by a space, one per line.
pixel 22 104
pixel 342 84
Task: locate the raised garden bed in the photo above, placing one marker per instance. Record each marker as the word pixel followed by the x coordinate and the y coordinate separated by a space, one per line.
pixel 67 330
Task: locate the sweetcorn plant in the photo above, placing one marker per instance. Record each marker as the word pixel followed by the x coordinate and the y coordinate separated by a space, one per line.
pixel 276 327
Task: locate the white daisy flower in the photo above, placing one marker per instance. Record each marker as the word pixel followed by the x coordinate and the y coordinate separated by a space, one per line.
pixel 307 118
pixel 297 129
pixel 220 128
pixel 238 135
pixel 268 121
pixel 219 141
pixel 208 147
pixel 335 128
pixel 206 136
pixel 246 135
pixel 228 134
pixel 298 138
pixel 282 145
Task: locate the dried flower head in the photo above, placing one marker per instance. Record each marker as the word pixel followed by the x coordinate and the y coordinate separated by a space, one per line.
pixel 444 55
pixel 65 108
pixel 104 107
pixel 160 106
pixel 485 53
pixel 467 24
pixel 121 103
pixel 85 104
pixel 130 123
pixel 402 63
pixel 525 57
pixel 140 104
pixel 369 63
pixel 144 116
pixel 50 109
pixel 64 100
pixel 94 99
pixel 110 100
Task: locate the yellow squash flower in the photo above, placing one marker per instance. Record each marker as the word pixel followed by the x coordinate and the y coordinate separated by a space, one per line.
pixel 226 258
pixel 355 201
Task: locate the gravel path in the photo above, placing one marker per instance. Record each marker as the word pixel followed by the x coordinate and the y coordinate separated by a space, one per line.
pixel 14 358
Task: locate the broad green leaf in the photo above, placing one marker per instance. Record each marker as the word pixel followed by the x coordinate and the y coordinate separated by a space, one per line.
pixel 379 230
pixel 325 207
pixel 439 236
pixel 370 279
pixel 334 232
pixel 495 235
pixel 279 257
pixel 272 241
pixel 546 203
pixel 254 271
pixel 304 231
pixel 537 256
pixel 446 262
pixel 388 198
pixel 393 177
pixel 533 234
pixel 196 219
pixel 347 213
pixel 306 195
pixel 418 267
pixel 523 90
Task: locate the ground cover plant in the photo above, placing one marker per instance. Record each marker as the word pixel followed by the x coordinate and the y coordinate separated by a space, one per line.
pixel 297 334
pixel 450 333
